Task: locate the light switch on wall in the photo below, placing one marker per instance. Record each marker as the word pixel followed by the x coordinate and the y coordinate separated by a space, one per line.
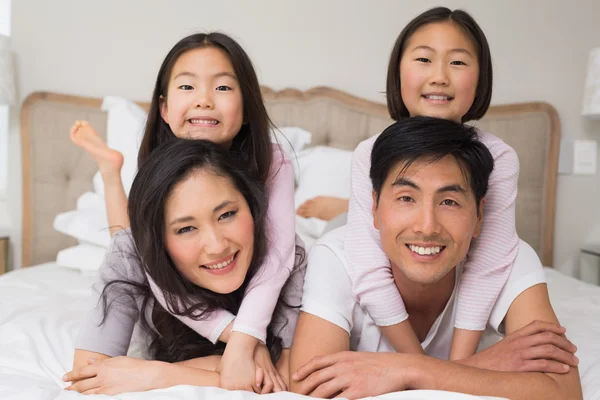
pixel 577 157
pixel 584 157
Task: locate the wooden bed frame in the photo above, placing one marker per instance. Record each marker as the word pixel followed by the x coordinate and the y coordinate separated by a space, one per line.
pixel 56 172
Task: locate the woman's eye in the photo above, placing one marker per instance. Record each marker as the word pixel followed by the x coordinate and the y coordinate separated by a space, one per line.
pixel 227 215
pixel 223 88
pixel 186 87
pixel 458 63
pixel 423 59
pixel 449 202
pixel 185 230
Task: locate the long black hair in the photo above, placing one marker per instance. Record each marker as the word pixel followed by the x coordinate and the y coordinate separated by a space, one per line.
pixel 173 162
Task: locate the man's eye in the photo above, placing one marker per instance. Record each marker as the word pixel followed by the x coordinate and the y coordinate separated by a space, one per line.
pixel 449 202
pixel 406 199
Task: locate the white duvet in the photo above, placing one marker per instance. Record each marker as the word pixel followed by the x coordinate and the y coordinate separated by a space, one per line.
pixel 40 310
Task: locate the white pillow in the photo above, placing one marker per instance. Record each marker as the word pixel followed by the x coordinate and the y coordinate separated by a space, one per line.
pixel 292 139
pixel 323 171
pixel 84 257
pixel 87 226
pixel 91 201
pixel 124 132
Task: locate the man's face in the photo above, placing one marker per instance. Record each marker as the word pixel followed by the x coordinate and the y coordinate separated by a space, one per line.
pixel 426 218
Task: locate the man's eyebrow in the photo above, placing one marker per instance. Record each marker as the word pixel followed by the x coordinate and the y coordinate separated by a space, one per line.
pixel 457 188
pixel 405 182
pixel 453 188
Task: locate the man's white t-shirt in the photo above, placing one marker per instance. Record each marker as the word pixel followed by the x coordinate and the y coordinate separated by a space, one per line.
pixel 328 295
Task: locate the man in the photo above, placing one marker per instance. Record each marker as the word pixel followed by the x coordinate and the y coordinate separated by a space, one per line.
pixel 429 180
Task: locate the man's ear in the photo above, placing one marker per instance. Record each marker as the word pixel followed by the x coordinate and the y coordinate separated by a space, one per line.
pixel 374 209
pixel 162 104
pixel 479 218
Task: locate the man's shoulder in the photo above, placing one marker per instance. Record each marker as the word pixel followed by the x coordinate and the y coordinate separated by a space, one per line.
pixel 334 242
pixel 327 284
pixel 527 271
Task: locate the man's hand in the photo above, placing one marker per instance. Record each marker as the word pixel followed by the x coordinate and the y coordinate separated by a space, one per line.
pixel 113 376
pixel 355 374
pixel 537 347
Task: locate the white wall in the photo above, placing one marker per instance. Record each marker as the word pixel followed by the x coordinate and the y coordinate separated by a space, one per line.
pixel 115 47
pixel 4 30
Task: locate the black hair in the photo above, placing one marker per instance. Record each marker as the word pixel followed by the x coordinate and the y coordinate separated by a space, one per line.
pixel 411 139
pixel 171 163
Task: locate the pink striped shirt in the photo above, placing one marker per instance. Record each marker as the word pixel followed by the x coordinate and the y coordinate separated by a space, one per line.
pixel 490 257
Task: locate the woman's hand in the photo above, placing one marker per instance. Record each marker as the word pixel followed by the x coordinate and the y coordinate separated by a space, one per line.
pixel 114 376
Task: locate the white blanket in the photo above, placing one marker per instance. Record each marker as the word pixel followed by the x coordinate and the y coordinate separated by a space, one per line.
pixel 41 307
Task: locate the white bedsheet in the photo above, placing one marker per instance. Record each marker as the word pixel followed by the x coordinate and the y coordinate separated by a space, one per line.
pixel 40 310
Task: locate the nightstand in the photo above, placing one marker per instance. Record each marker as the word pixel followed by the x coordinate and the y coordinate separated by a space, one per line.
pixel 590 263
pixel 3 254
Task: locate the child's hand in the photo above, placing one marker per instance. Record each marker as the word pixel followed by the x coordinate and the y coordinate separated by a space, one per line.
pixel 267 375
pixel 237 368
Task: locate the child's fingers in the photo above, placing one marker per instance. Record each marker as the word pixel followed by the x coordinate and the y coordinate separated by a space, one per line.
pixel 277 383
pixel 282 384
pixel 267 385
pixel 260 376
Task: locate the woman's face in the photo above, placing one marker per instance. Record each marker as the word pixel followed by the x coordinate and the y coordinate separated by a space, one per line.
pixel 209 232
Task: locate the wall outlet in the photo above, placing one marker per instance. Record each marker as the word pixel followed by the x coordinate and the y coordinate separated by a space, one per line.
pixel 584 157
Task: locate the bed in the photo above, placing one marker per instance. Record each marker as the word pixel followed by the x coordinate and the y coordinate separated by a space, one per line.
pixel 41 303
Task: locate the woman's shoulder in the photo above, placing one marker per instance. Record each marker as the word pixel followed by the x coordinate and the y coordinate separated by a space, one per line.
pixel 122 240
pixel 121 258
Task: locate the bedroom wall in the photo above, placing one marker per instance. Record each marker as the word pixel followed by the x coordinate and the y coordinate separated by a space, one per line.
pixel 112 47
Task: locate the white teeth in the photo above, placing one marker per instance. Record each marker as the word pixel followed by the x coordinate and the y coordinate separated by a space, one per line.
pixel 425 250
pixel 220 265
pixel 436 97
pixel 204 121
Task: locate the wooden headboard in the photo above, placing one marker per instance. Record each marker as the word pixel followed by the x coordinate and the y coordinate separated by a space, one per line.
pixel 56 172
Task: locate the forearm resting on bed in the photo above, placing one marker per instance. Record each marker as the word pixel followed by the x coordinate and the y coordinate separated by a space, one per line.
pixel 444 375
pixel 187 372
